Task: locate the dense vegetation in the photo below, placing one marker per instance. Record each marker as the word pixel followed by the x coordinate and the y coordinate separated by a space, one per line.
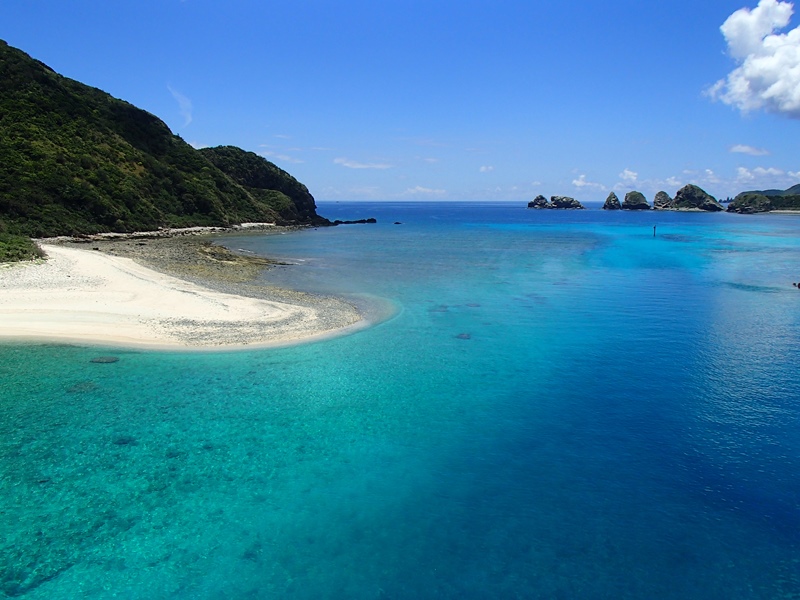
pixel 18 247
pixel 266 182
pixel 75 160
pixel 766 200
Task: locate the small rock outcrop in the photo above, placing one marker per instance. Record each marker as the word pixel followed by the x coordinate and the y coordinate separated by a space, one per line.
pixel 662 201
pixel 635 201
pixel 565 202
pixel 356 222
pixel 691 197
pixel 612 202
pixel 748 203
pixel 539 202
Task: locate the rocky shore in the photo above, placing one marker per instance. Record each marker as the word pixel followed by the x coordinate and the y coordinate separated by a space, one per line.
pixel 187 256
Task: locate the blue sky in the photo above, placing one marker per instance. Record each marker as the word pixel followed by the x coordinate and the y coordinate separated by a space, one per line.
pixel 447 100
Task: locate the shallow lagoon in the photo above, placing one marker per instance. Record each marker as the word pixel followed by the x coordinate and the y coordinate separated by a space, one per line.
pixel 560 405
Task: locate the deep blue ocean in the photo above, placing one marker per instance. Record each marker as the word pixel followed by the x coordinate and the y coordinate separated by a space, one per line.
pixel 553 404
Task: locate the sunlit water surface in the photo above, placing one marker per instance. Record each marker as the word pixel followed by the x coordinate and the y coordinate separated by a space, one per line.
pixel 561 405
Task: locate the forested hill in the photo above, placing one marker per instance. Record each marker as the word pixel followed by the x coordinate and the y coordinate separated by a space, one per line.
pixel 73 159
pixel 766 200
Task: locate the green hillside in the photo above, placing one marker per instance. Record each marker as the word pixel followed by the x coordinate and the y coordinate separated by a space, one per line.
pixel 766 201
pixel 75 160
pixel 266 182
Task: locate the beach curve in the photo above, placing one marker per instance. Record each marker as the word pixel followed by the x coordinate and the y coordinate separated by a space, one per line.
pixel 90 297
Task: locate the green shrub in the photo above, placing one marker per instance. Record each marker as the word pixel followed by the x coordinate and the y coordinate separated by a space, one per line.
pixel 14 248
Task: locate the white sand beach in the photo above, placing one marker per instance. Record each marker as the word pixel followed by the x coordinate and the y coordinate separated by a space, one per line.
pixel 89 297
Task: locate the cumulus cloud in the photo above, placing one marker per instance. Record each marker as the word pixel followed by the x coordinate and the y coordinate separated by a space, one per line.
pixel 744 149
pixel 581 183
pixel 629 176
pixel 770 176
pixel 487 169
pixel 184 105
pixel 352 164
pixel 768 75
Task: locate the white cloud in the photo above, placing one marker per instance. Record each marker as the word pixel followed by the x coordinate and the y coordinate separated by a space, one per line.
pixel 673 182
pixel 351 164
pixel 768 172
pixel 423 191
pixel 629 176
pixel 745 149
pixel 487 169
pixel 768 75
pixel 744 175
pixel 581 182
pixel 184 105
pixel 765 177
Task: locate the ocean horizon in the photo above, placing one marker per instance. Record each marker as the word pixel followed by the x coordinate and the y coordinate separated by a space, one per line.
pixel 550 404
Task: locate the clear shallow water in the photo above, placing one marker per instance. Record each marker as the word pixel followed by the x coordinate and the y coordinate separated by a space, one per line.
pixel 563 406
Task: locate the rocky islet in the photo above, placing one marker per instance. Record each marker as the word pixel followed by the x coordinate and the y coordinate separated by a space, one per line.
pixel 689 198
pixel 555 202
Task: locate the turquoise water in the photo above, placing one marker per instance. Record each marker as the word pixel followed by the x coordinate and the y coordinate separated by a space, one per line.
pixel 562 406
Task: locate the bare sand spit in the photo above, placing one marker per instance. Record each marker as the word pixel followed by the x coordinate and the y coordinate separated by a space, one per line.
pixel 86 296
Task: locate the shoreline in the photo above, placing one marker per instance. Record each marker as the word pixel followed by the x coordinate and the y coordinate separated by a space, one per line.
pixel 160 293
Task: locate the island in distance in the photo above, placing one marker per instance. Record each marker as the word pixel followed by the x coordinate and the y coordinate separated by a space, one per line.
pixel 689 198
pixel 555 202
pixel 766 201
pixel 694 199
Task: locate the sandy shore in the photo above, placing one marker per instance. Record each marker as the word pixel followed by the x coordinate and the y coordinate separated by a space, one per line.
pixel 86 296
